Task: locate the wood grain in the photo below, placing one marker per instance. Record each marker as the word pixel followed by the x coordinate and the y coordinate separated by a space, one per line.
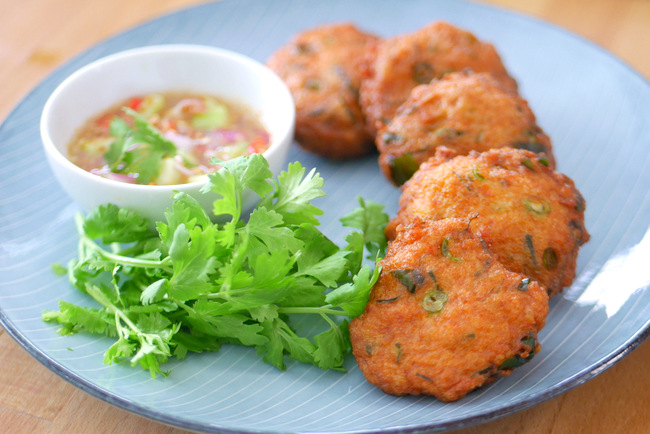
pixel 33 42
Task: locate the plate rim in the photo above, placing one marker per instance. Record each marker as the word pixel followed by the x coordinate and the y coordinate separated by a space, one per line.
pixel 126 404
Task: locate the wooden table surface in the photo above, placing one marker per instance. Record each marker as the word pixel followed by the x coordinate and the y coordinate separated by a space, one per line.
pixel 36 36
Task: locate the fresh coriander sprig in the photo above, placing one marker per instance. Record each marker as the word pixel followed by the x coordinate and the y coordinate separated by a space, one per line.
pixel 193 285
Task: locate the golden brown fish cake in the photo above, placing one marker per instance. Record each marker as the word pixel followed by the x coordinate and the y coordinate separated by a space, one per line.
pixel 531 217
pixel 402 62
pixel 463 111
pixel 322 68
pixel 445 317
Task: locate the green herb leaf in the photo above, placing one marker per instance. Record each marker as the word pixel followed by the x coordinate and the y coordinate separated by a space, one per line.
pixel 528 241
pixel 115 225
pixel 330 352
pixel 74 319
pixel 293 192
pixel 59 269
pixel 371 219
pixel 191 254
pixel 353 297
pixel 517 360
pixel 405 277
pixel 444 249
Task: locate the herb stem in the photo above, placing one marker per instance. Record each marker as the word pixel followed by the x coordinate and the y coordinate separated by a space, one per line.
pixel 87 243
pixel 323 310
pixel 329 321
pixel 183 306
pixel 119 315
pixel 125 260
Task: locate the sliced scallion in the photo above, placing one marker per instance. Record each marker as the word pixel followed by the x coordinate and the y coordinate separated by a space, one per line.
pixel 537 207
pixel 402 168
pixel 434 301
pixel 549 258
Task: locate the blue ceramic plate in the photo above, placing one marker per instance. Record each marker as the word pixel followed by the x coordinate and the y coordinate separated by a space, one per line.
pixel 597 112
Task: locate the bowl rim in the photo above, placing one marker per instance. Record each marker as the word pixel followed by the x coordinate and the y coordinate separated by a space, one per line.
pixel 277 142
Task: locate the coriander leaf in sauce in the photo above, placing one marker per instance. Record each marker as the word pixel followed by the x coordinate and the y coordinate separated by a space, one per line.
pixel 138 150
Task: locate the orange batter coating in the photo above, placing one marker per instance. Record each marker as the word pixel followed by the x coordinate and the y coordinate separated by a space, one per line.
pixel 530 217
pixel 322 68
pixel 463 111
pixel 398 64
pixel 445 317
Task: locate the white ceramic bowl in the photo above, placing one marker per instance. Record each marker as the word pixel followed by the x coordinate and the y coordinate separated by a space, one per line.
pixel 193 68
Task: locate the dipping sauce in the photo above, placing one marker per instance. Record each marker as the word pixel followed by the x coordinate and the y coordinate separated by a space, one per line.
pixel 166 138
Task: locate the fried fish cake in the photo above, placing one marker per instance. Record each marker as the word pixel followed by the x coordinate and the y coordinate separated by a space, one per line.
pixel 531 217
pixel 463 111
pixel 322 68
pixel 400 63
pixel 445 317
